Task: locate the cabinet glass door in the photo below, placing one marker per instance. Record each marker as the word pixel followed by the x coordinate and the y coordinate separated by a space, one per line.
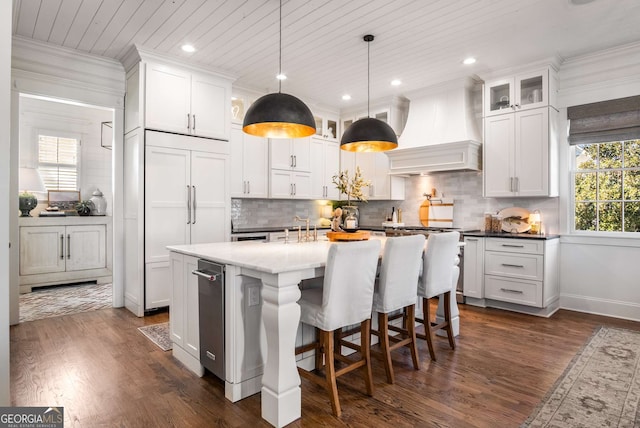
pixel 500 97
pixel 532 90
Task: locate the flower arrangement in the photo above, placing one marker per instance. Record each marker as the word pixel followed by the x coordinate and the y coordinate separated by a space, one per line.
pixel 352 187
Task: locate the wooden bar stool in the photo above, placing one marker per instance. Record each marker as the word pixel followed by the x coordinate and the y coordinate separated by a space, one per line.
pixel 439 277
pixel 345 299
pixel 396 291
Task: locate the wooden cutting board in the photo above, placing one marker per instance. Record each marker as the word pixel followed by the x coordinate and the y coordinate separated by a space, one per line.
pixel 436 214
pixel 360 235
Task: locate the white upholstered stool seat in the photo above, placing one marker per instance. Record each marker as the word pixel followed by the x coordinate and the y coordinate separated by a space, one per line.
pixel 396 290
pixel 345 299
pixel 439 277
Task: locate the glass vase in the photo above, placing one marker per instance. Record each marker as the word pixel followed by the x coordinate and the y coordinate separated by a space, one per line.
pixel 350 217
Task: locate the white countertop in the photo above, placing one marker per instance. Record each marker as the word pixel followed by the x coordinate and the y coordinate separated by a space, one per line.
pixel 270 257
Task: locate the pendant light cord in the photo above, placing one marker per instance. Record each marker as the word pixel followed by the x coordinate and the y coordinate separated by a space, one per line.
pixel 369 77
pixel 280 48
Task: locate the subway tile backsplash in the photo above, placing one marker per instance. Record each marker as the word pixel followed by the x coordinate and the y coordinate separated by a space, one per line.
pixel 464 187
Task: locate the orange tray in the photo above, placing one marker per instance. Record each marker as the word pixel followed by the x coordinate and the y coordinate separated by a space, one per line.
pixel 360 235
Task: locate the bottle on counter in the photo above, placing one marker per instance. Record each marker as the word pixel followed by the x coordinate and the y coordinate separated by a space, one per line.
pixel 394 215
pixel 399 215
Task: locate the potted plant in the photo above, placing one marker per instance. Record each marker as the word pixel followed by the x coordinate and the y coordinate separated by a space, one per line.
pixel 353 188
pixel 84 207
pixel 27 202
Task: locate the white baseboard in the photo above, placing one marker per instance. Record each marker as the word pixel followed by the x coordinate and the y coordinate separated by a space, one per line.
pixel 597 306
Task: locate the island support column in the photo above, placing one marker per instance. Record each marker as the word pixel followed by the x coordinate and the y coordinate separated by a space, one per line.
pixel 281 396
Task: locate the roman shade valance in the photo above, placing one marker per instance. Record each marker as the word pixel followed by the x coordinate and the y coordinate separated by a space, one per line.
pixel 613 120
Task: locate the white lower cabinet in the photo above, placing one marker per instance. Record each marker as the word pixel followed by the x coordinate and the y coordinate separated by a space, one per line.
pixel 63 253
pixel 514 274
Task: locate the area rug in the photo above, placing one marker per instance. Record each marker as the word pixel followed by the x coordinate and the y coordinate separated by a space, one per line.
pixel 158 334
pixel 599 388
pixel 64 300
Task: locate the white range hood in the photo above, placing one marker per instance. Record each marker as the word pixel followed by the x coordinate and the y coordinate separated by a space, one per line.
pixel 442 132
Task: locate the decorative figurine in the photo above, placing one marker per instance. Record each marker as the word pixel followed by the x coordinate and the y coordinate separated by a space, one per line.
pixel 337 219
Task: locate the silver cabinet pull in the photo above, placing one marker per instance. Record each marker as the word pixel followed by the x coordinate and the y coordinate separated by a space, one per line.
pixel 517 184
pixel 294 189
pixel 472 239
pixel 61 247
pixel 510 265
pixel 188 121
pixel 291 161
pixel 248 187
pixel 207 276
pixel 194 205
pixel 509 290
pixel 513 246
pixel 194 123
pixel 188 204
pixel 211 356
pixel 295 161
pixel 69 246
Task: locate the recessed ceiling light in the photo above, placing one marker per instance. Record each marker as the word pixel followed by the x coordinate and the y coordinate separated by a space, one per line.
pixel 281 76
pixel 188 48
pixel 469 61
pixel 396 82
pixel 346 97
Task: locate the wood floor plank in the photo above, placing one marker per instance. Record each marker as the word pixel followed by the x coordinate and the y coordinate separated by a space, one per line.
pixel 106 373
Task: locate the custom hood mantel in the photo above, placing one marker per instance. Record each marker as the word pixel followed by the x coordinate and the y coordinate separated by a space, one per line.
pixel 443 130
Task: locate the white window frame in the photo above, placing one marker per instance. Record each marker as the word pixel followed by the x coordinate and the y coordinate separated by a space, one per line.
pixel 572 203
pixel 60 134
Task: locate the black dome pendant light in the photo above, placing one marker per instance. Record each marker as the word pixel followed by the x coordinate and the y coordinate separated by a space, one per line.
pixel 368 134
pixel 279 115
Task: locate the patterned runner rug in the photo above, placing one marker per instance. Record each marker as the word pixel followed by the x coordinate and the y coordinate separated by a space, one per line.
pixel 158 334
pixel 64 300
pixel 599 388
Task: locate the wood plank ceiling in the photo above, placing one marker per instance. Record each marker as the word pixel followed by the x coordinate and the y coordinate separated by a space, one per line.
pixel 421 42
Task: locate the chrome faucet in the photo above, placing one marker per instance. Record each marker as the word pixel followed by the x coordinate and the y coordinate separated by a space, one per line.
pixel 307 237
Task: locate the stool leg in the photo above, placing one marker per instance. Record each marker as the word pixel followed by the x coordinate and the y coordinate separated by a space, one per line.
pixel 330 371
pixel 426 318
pixel 411 330
pixel 365 342
pixel 383 328
pixel 319 349
pixel 447 318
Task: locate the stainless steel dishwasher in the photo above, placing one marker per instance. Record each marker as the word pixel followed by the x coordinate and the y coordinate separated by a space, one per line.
pixel 211 316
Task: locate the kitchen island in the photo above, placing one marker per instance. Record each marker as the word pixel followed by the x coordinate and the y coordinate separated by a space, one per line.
pixel 280 268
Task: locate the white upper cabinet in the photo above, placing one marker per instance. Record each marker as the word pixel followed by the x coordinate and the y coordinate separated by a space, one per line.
pixel 393 111
pixel 521 92
pixel 326 126
pixel 249 164
pixel 186 102
pixel 374 167
pixel 290 153
pixel 325 163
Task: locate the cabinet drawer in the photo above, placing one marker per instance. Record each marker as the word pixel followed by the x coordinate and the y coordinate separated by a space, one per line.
pixel 521 292
pixel 515 245
pixel 525 266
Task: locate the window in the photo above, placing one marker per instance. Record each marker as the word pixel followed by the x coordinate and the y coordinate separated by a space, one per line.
pixel 607 186
pixel 58 162
pixel 606 165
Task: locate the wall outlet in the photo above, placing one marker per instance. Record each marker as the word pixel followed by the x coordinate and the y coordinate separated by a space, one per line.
pixel 254 295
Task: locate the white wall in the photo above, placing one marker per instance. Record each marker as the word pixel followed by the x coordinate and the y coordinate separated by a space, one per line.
pixel 5 146
pixel 598 274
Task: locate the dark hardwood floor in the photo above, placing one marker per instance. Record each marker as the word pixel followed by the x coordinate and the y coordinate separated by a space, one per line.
pixel 106 373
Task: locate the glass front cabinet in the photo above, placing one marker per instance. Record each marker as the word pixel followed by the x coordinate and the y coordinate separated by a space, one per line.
pixel 521 92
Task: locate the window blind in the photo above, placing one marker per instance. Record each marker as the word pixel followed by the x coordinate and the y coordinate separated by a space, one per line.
pixel 605 121
pixel 58 162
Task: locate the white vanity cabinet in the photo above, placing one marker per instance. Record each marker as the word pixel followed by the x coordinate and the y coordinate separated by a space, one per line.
pixel 522 273
pixel 63 250
pixel 249 164
pixel 325 161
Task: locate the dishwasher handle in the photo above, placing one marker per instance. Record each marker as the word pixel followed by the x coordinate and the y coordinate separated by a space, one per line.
pixel 206 275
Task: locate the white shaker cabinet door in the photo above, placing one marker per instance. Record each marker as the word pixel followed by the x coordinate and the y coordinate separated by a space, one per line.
pixel 167 105
pixel 499 156
pixel 42 249
pixel 255 166
pixel 210 107
pixel 167 193
pixel 532 152
pixel 86 247
pixel 209 187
